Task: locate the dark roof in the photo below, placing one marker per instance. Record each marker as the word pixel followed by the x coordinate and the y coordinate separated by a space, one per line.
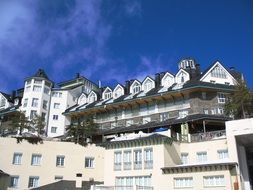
pixel 168 122
pixel 75 80
pixel 41 74
pixel 2 173
pixel 7 96
pixel 67 185
pixel 9 110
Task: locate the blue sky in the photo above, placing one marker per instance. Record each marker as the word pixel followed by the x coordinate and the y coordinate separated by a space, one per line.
pixel 113 41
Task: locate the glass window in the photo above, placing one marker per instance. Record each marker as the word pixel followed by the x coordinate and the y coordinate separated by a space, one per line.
pixel 137 159
pixel 35 102
pixel 136 88
pixel 17 158
pixel 221 98
pixel 127 159
pixel 28 89
pixel 183 182
pixel 33 181
pixel 89 162
pixel 45 104
pixel 148 158
pixel 117 160
pixel 56 105
pixel 184 158
pixel 46 90
pixel 55 117
pixel 53 129
pixel 28 82
pixel 218 72
pixel 214 181
pixel 33 114
pixel 37 81
pixel 37 88
pixel 14 181
pixel 36 159
pixel 148 86
pixel 201 156
pixel 222 154
pixel 25 102
pixel 43 115
pixel 60 160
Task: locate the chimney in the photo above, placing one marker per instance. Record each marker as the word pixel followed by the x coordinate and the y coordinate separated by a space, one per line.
pixel 77 75
pixel 79 180
pixel 157 80
pixel 127 86
pixel 198 70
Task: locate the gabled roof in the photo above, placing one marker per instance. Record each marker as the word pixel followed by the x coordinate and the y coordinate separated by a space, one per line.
pixel 7 96
pixel 9 110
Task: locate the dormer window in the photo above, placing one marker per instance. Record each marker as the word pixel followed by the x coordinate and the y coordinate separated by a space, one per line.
pixel 92 97
pixel 136 88
pixel 118 91
pixel 107 94
pixel 148 84
pixel 182 78
pixel 167 80
pixel 82 99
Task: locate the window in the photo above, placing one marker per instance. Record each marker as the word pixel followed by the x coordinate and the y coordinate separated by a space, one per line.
pixel 148 158
pixel 222 154
pixel 117 160
pixel 56 105
pixel 36 159
pixel 218 72
pixel 46 90
pixel 183 113
pixel 2 102
pixel 25 102
pixel 148 85
pixel 184 158
pixel 221 98
pixel 92 97
pixel 45 104
pixel 60 160
pixel 55 117
pixel 137 159
pixel 205 111
pixel 118 92
pixel 33 114
pixel 127 160
pixel 107 94
pixel 126 183
pixel 201 156
pixel 35 102
pixel 17 158
pixel 58 177
pixel 14 181
pixel 136 88
pixel 146 120
pixel 37 81
pixel 164 116
pixel 28 88
pixel 36 88
pixel 28 82
pixel 43 115
pixel 183 182
pixel 53 129
pixel 57 94
pixel 214 181
pixel 89 162
pixel 33 181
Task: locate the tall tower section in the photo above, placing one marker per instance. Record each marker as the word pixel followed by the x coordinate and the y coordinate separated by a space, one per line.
pixel 36 97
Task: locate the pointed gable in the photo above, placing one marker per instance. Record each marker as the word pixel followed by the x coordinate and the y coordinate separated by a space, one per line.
pixel 217 73
pixel 182 76
pixel 82 99
pixel 148 84
pixel 107 93
pixel 135 87
pixel 92 97
pixel 167 80
pixel 118 91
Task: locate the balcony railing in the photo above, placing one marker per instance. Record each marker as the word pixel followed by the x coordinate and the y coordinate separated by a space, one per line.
pixel 208 136
pixel 148 164
pixel 137 165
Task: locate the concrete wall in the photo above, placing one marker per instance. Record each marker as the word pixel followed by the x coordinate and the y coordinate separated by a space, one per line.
pixel 47 170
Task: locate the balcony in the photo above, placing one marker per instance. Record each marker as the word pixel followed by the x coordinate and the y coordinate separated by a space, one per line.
pixel 212 135
pixel 137 165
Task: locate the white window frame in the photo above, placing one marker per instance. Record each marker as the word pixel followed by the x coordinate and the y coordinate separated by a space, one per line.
pixel 53 129
pixel 201 156
pixel 36 159
pixel 184 158
pixel 14 181
pixel 37 88
pixel 17 158
pixel 56 105
pixel 222 154
pixel 148 158
pixel 221 98
pixel 33 181
pixel 60 160
pixel 214 181
pixel 35 102
pixel 55 117
pixel 89 162
pixel 138 159
pixel 117 160
pixel 25 102
pixel 183 182
pixel 127 159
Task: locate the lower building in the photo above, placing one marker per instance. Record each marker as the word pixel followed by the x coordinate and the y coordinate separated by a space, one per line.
pixel 32 165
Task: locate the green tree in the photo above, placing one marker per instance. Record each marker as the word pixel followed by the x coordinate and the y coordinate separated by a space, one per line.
pixel 240 103
pixel 19 122
pixel 80 131
pixel 38 124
